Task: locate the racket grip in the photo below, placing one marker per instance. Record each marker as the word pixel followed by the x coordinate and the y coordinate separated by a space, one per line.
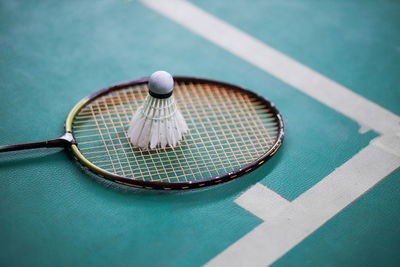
pixel 64 141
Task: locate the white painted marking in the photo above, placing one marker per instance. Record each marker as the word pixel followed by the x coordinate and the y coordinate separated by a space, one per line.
pixel 277 235
pixel 389 142
pixel 363 129
pixel 277 64
pixel 262 201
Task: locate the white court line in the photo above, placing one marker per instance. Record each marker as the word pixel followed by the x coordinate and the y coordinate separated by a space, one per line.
pixel 286 224
pixel 262 202
pixel 278 234
pixel 310 82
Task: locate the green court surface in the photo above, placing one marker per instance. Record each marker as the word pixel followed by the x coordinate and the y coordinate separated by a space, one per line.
pixel 54 213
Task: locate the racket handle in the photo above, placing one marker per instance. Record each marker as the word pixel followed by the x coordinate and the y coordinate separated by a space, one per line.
pixel 64 141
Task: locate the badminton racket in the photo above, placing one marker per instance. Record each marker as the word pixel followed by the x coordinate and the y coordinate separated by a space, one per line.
pixel 232 131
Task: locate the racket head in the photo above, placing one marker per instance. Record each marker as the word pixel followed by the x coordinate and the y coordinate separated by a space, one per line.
pixel 232 131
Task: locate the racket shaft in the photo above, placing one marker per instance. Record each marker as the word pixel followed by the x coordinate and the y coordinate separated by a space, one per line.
pixel 63 141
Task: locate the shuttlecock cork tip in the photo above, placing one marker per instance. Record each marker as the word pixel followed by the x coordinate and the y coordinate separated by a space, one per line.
pixel 161 84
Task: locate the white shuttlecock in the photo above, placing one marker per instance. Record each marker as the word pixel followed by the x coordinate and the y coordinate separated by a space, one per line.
pixel 157 122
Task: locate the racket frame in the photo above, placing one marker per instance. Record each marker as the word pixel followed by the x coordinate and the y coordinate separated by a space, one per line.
pixel 176 185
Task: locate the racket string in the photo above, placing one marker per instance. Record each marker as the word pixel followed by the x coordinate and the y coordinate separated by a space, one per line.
pixel 227 130
pixel 195 112
pixel 224 118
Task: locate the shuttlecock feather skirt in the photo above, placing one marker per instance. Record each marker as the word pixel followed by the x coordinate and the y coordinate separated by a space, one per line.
pixel 157 123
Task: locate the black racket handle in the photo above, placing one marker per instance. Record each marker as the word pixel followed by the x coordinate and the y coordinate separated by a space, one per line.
pixel 64 141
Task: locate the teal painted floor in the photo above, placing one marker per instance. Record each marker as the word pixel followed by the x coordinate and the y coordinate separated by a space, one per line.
pixel 54 53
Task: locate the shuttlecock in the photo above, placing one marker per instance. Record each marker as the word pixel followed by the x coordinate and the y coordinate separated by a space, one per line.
pixel 157 122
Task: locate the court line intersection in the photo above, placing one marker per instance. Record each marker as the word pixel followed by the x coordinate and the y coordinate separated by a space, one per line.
pixel 287 223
